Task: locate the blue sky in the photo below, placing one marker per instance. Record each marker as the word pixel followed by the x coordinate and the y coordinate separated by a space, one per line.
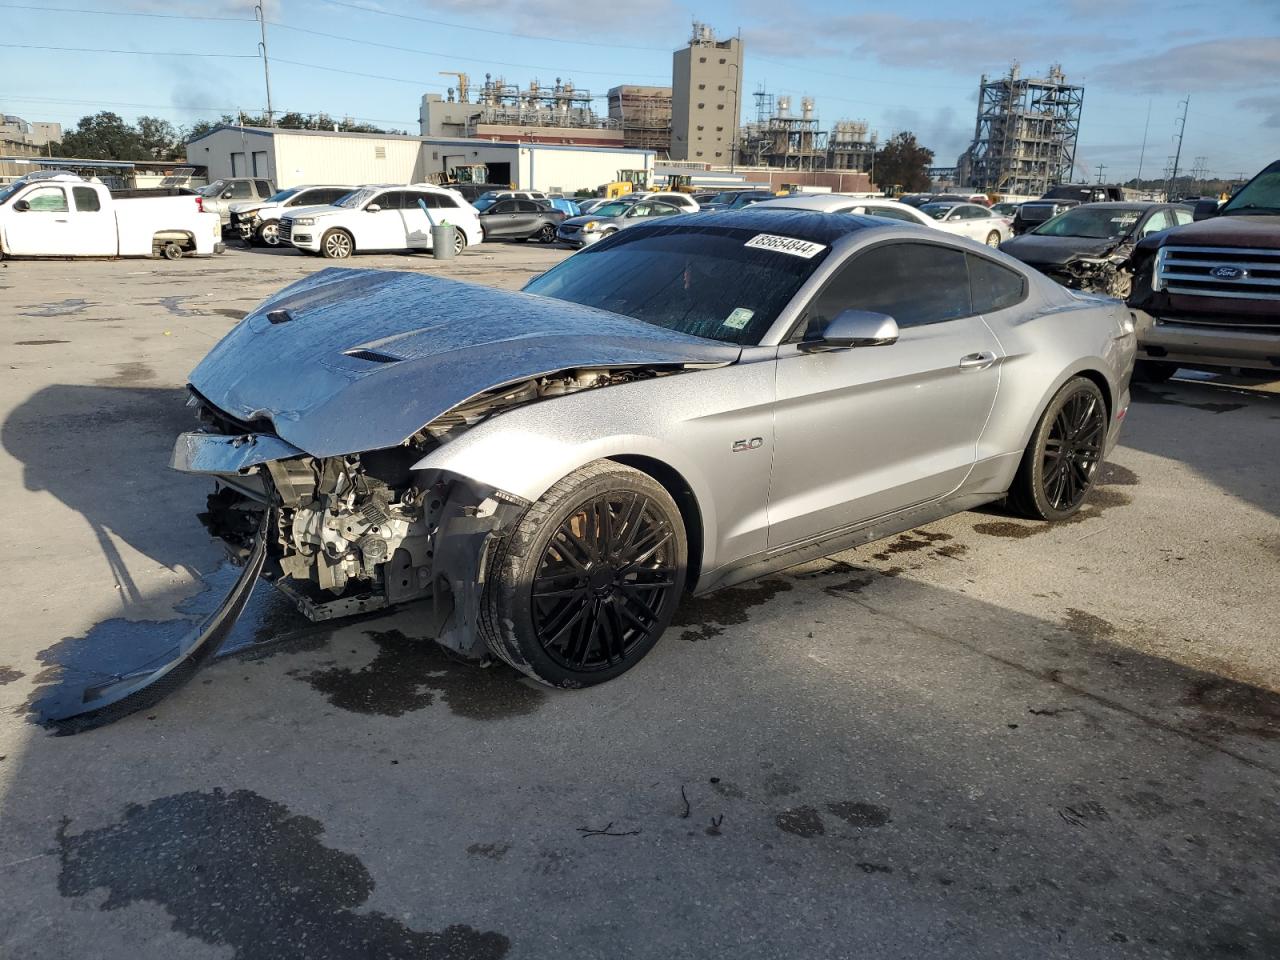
pixel 907 65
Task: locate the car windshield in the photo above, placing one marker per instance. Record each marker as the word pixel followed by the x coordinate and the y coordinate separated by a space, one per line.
pixel 704 282
pixel 938 211
pixel 213 189
pixel 613 209
pixel 1260 195
pixel 10 190
pixel 281 196
pixel 746 199
pixel 356 198
pixel 1091 222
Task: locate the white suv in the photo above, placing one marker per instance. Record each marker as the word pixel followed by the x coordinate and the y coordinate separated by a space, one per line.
pixel 382 217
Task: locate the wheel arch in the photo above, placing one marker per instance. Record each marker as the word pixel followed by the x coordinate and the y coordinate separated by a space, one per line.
pixel 686 499
pixel 1090 370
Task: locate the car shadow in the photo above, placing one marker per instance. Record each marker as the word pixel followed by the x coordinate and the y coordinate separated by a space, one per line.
pixel 1230 427
pixel 103 451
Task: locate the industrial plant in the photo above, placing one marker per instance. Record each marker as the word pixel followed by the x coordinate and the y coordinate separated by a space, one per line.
pixel 1025 137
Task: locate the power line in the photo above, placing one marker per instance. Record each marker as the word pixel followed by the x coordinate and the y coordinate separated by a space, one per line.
pixel 137 53
pixel 499 33
pixel 121 13
pixel 10 98
pixel 451 56
pixel 379 76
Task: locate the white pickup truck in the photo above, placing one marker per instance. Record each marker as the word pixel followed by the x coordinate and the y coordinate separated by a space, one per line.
pixel 63 215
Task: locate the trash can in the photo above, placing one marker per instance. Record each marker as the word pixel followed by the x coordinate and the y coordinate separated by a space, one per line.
pixel 442 241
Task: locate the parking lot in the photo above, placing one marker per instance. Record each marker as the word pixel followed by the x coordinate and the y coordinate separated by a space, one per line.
pixel 984 738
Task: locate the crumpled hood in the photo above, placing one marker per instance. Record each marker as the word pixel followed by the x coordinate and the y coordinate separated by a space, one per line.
pixel 1055 251
pixel 352 360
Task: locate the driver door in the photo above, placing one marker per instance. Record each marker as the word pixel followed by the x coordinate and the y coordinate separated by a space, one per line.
pixel 383 229
pixel 44 228
pixel 869 431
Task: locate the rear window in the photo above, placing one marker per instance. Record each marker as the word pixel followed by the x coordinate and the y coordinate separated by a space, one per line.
pixel 704 282
pixel 992 286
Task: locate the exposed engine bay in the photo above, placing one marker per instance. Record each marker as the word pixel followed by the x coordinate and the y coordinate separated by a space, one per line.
pixel 363 531
pixel 1111 275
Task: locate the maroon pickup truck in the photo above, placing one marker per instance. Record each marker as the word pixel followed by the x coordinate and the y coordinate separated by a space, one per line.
pixel 1210 290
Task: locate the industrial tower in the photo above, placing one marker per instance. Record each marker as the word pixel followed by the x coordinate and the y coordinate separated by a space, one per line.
pixel 1025 139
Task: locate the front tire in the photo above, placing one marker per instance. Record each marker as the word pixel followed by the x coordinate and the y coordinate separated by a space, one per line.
pixel 337 245
pixel 268 235
pixel 993 238
pixel 588 579
pixel 547 234
pixel 1062 458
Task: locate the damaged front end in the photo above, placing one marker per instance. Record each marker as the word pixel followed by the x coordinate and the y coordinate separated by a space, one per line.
pixel 1110 275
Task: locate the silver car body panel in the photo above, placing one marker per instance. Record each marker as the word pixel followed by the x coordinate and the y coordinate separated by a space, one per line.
pixel 352 360
pixel 820 472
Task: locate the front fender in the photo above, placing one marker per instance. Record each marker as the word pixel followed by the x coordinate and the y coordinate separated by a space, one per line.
pixel 516 454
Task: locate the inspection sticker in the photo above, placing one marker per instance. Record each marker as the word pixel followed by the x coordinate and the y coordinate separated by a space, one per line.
pixel 740 317
pixel 797 248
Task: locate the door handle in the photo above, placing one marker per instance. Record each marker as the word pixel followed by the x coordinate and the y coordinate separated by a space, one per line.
pixel 60 220
pixel 977 361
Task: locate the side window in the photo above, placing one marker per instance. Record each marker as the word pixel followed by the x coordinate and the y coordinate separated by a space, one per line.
pixel 86 199
pixel 446 201
pixel 915 283
pixel 503 206
pixel 264 188
pixel 1160 220
pixel 890 213
pixel 663 210
pixel 993 287
pixel 47 200
pixel 430 200
pixel 976 212
pixel 240 190
pixel 391 200
pixel 1182 216
pixel 527 206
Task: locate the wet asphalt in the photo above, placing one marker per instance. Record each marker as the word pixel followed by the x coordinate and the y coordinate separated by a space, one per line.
pixel 986 738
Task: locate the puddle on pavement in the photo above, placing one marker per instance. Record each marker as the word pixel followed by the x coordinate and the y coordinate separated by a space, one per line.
pixel 1101 499
pixel 1145 394
pixel 243 872
pixel 409 673
pixel 59 308
pixel 723 608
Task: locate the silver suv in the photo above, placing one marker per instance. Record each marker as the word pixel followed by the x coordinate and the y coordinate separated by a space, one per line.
pixel 221 194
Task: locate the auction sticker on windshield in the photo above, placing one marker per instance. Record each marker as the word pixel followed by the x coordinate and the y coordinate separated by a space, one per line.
pixel 797 248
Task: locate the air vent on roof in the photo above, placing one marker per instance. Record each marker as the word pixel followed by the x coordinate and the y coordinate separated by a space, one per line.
pixel 373 356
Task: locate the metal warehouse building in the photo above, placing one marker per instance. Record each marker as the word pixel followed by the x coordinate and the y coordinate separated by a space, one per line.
pixel 292 157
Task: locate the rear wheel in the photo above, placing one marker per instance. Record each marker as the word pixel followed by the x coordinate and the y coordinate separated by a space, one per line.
pixel 1062 458
pixel 459 241
pixel 993 238
pixel 1153 371
pixel 171 251
pixel 337 245
pixel 588 579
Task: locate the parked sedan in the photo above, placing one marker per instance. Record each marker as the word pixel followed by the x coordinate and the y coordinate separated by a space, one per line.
pixel 693 403
pixel 520 220
pixel 607 219
pixel 1088 247
pixel 842 203
pixel 737 199
pixel 971 220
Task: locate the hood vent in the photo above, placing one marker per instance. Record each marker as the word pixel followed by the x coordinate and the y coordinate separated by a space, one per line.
pixel 373 356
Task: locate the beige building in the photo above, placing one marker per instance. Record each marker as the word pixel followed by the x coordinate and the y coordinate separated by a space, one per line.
pixel 644 113
pixel 706 98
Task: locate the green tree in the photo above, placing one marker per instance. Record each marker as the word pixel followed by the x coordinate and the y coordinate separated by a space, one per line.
pixel 283 121
pixel 159 138
pixel 103 136
pixel 902 162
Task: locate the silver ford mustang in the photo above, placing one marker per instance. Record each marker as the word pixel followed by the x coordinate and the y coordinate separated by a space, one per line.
pixel 686 405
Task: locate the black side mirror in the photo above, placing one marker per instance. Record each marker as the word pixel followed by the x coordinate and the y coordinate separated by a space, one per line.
pixel 1204 209
pixel 21 206
pixel 854 328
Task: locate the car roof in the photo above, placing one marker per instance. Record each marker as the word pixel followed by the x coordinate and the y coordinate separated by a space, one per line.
pixel 814 226
pixel 822 201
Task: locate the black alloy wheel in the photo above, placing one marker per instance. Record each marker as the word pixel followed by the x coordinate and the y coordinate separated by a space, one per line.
pixel 604 581
pixel 547 233
pixel 585 582
pixel 1060 465
pixel 1073 451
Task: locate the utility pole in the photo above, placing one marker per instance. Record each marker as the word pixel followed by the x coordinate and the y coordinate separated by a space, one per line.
pixel 1101 167
pixel 1142 155
pixel 261 16
pixel 1182 128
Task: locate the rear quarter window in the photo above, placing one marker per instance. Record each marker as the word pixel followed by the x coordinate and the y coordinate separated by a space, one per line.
pixel 992 286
